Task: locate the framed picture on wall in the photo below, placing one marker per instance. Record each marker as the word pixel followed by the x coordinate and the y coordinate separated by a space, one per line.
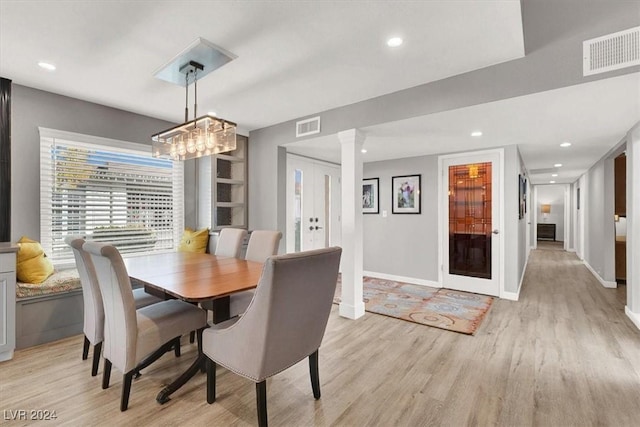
pixel 405 193
pixel 370 196
pixel 578 198
pixel 521 197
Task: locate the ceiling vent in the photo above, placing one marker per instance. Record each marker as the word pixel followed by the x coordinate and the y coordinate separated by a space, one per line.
pixel 308 127
pixel 611 52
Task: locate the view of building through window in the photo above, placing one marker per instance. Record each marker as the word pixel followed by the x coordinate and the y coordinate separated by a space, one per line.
pixel 109 194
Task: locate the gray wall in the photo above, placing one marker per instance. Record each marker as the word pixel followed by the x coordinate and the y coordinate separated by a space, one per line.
pixel 407 245
pixel 633 221
pixel 515 229
pixel 32 108
pixel 403 245
pixel 599 222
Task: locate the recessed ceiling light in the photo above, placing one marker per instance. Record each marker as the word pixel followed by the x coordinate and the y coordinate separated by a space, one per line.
pixel 476 133
pixel 364 150
pixel 554 174
pixel 552 182
pixel 212 113
pixel 47 66
pixel 394 42
pixel 557 165
pixel 565 144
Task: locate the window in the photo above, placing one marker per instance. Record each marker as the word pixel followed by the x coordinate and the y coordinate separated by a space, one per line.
pixel 109 191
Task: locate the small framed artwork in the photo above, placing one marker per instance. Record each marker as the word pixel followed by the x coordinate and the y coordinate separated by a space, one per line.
pixel 578 198
pixel 406 194
pixel 370 196
pixel 521 196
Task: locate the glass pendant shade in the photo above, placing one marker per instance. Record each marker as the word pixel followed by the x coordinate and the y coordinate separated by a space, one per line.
pixel 203 136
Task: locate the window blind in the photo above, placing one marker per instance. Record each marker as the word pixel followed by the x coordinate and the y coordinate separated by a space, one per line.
pixel 108 191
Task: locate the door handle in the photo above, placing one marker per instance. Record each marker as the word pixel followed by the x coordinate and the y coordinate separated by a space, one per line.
pixel 311 228
pixel 318 228
pixel 496 231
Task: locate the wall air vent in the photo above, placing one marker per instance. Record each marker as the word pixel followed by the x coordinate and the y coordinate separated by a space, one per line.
pixel 611 52
pixel 308 127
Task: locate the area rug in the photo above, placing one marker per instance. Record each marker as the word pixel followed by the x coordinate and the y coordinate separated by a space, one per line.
pixel 441 308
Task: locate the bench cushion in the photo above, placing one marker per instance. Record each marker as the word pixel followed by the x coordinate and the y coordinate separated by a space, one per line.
pixel 59 281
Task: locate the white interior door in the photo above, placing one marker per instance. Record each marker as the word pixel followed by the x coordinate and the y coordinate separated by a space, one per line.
pixel 471 220
pixel 313 204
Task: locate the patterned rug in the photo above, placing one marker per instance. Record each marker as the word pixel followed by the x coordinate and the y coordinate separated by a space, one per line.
pixel 441 308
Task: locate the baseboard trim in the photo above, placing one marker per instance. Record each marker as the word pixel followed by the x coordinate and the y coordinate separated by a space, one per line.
pixel 605 283
pixel 515 296
pixel 412 280
pixel 635 317
pixel 351 311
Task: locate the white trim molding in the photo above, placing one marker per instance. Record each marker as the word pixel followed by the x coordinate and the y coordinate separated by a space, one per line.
pixel 393 277
pixel 635 317
pixel 515 296
pixel 605 283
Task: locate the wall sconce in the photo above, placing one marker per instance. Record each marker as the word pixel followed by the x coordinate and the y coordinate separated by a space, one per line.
pixel 546 210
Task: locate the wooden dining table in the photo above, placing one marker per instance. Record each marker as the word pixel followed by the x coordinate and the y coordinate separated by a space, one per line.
pixel 193 277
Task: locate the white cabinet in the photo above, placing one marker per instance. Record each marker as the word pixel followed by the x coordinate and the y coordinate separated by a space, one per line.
pixel 222 188
pixel 7 300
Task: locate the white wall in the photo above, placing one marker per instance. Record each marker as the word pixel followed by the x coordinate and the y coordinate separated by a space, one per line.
pixel 552 195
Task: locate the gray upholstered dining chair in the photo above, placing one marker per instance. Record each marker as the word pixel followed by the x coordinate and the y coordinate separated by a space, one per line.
pixel 230 242
pixel 284 323
pixel 262 245
pixel 93 326
pixel 133 339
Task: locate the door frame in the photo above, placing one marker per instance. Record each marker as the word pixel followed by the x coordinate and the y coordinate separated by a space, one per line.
pixel 444 228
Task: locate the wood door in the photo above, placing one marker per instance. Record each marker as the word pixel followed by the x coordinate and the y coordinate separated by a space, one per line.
pixel 471 244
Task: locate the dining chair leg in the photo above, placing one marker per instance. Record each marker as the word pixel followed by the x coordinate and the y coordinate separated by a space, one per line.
pixel 202 367
pixel 97 349
pixel 315 377
pixel 261 399
pixel 176 346
pixel 211 380
pixel 106 374
pixel 126 389
pixel 85 348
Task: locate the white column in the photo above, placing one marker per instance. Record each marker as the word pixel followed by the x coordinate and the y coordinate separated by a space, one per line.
pixel 352 305
pixel 633 225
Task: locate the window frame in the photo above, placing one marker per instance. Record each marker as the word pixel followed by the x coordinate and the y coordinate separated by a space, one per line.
pixel 104 145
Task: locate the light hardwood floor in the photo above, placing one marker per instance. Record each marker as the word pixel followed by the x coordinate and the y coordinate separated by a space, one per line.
pixel 565 354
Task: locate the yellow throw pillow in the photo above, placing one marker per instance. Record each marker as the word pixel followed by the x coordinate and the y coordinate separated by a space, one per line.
pixel 33 266
pixel 194 241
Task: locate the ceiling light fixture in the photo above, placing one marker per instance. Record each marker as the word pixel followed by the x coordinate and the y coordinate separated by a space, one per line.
pixel 199 137
pixel 552 182
pixel 565 144
pixel 554 174
pixel 476 133
pixel 394 42
pixel 364 150
pixel 47 66
pixel 557 165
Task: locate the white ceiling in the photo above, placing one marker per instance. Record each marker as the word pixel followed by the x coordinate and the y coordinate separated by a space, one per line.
pixel 294 58
pixel 594 117
pixel 300 58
